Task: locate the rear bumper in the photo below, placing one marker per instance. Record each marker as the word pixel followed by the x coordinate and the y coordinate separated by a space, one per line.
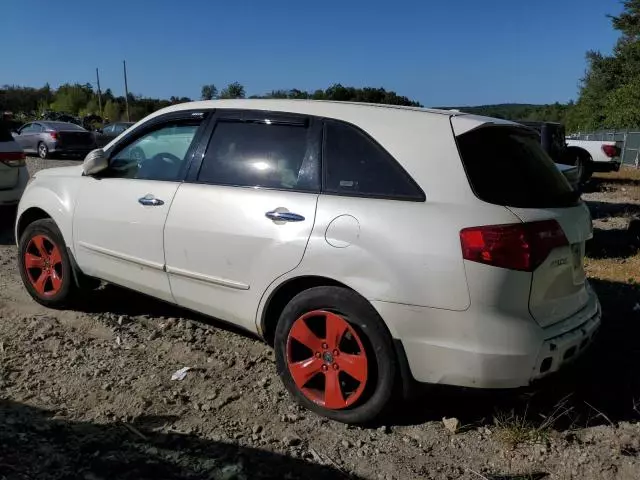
pixel 487 349
pixel 12 195
pixel 612 166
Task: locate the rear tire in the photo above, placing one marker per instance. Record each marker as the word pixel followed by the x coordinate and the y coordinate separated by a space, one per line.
pixel 345 366
pixel 43 150
pixel 584 165
pixel 45 266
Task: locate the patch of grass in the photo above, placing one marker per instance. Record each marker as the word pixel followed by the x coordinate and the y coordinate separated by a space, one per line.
pixel 513 429
pixel 622 270
pixel 625 173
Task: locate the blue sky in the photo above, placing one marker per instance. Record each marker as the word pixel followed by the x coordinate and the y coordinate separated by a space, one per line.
pixel 446 52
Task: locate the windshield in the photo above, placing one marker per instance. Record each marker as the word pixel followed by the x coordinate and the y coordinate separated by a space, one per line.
pixel 507 166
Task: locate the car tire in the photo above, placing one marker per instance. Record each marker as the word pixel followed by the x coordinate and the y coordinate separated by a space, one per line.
pixel 44 264
pixel 43 150
pixel 584 166
pixel 335 355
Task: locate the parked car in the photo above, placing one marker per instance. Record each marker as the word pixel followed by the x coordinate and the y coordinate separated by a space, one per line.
pixel 594 156
pixel 13 170
pixel 372 246
pixel 47 138
pixel 110 131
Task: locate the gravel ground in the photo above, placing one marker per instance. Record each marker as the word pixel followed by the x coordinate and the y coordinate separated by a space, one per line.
pixel 87 394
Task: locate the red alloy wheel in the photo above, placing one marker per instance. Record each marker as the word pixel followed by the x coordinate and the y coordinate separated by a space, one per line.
pixel 331 371
pixel 43 265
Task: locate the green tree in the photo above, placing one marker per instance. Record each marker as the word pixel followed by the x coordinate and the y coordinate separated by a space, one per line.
pixel 612 79
pixel 233 90
pixel 112 111
pixel 209 92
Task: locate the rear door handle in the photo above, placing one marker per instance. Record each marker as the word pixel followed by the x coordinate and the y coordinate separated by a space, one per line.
pixel 150 201
pixel 277 216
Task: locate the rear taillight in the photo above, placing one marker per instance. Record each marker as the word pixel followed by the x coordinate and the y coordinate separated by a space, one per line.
pixel 522 246
pixel 12 159
pixel 53 135
pixel 611 151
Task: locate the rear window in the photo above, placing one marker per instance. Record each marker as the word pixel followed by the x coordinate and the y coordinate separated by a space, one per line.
pixel 507 166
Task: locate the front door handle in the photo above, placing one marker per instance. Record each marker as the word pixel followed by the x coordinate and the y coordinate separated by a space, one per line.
pixel 279 216
pixel 150 201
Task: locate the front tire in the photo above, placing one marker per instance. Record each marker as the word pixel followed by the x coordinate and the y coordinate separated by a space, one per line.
pixel 44 264
pixel 43 150
pixel 335 356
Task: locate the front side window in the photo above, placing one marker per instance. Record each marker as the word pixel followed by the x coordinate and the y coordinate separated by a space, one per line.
pixel 356 165
pixel 27 128
pixel 261 154
pixel 157 155
pixel 108 129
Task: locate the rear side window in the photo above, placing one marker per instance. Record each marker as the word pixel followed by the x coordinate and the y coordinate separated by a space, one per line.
pixel 261 154
pixel 356 165
pixel 507 166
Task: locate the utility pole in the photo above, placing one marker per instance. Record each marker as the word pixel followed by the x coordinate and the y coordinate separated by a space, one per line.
pixel 126 89
pixel 99 92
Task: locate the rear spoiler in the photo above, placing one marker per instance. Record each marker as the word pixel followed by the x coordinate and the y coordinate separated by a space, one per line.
pixel 466 123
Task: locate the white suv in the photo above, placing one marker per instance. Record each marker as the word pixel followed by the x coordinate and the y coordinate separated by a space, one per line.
pixel 13 170
pixel 373 246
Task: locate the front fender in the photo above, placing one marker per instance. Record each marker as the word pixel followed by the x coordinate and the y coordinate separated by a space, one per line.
pixel 56 198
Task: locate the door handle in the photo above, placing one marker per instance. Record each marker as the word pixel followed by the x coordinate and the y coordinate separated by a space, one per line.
pixel 151 201
pixel 277 216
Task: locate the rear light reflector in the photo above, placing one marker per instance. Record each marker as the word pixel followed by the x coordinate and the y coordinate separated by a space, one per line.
pixel 611 151
pixel 522 246
pixel 12 159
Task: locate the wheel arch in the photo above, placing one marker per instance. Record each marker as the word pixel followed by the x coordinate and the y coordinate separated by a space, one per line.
pixel 282 294
pixel 39 202
pixel 580 152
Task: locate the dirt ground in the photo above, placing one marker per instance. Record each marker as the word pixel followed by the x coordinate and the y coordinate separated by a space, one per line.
pixel 87 393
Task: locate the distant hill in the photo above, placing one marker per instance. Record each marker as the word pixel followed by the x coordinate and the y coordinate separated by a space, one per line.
pixel 554 112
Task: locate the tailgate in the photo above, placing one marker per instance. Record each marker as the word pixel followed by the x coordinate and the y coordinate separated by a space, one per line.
pixel 558 286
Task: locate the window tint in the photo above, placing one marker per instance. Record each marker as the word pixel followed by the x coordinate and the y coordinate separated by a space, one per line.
pixel 37 128
pixel 356 165
pixel 118 129
pixel 27 128
pixel 507 166
pixel 262 155
pixel 108 129
pixel 157 155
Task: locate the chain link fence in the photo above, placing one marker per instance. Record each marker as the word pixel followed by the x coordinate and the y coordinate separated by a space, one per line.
pixel 628 141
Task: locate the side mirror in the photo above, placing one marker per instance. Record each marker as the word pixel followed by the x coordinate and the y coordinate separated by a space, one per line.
pixel 95 162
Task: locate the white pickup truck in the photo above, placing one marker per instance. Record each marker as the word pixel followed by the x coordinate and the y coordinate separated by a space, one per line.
pixel 594 156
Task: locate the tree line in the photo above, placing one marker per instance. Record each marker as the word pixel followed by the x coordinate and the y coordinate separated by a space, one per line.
pixel 609 92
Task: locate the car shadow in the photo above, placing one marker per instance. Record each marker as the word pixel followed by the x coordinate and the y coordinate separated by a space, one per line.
pixel 37 444
pixel 601 388
pixel 7 221
pixel 601 210
pixel 115 300
pixel 603 184
pixel 613 243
